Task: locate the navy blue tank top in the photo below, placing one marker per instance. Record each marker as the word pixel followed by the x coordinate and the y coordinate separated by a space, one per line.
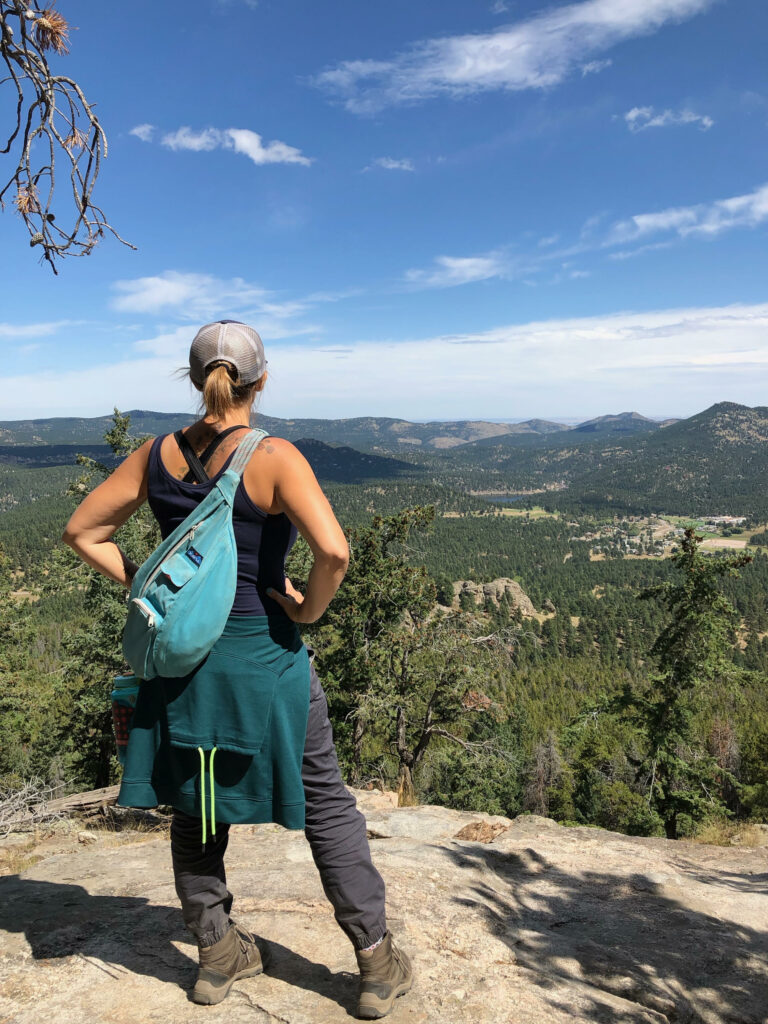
pixel 263 541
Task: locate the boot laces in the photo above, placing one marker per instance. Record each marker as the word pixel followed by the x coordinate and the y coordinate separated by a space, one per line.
pixel 397 956
pixel 247 945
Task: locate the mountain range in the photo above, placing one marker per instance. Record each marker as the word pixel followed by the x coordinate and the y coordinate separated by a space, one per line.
pixel 372 433
pixel 713 462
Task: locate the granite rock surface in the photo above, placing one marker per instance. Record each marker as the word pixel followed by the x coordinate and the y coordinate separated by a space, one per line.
pixel 516 921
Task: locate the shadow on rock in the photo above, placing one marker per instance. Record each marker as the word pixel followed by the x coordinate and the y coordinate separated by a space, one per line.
pixel 124 932
pixel 622 936
pixel 120 934
pixel 287 966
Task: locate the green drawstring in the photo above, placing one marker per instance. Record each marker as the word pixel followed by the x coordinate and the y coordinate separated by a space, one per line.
pixel 201 752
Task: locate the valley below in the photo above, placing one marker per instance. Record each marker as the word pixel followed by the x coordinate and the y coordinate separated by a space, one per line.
pixel 554 546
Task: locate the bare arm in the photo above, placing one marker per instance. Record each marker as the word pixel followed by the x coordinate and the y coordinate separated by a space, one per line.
pixel 299 496
pixel 89 531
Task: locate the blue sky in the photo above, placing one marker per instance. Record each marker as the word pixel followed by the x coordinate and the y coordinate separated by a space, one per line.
pixel 434 210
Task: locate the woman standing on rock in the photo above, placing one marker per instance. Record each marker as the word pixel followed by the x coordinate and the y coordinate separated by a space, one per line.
pixel 255 705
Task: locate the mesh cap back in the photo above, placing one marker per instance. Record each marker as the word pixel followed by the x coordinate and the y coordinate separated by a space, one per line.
pixel 237 343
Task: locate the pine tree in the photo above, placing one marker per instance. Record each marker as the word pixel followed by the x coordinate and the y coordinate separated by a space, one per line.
pixel 94 654
pixel 397 669
pixel 694 652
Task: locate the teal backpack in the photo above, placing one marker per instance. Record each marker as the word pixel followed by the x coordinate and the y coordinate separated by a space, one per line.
pixel 182 595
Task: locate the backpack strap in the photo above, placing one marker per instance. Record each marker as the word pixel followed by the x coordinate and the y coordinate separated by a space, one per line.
pixel 206 455
pixel 195 465
pixel 245 450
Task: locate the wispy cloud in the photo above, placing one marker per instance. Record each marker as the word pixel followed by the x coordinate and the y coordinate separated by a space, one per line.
pixel 240 140
pixel 449 271
pixel 594 67
pixel 702 219
pixel 534 53
pixel 189 295
pixel 192 297
pixel 628 254
pixel 638 119
pixel 633 236
pixel 143 132
pixel 389 163
pixel 499 7
pixel 15 332
pixel 677 360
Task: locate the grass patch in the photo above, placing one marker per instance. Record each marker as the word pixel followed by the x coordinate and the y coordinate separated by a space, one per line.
pixel 730 833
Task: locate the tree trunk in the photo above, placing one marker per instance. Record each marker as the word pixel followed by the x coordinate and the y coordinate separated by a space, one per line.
pixel 357 747
pixel 670 826
pixel 406 794
pixel 104 763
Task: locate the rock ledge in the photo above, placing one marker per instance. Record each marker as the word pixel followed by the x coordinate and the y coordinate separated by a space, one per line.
pixel 527 922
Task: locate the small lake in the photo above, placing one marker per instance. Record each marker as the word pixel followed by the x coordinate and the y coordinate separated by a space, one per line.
pixel 503 499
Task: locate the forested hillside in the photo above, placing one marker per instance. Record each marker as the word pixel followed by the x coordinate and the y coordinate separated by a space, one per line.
pixel 463 699
pixel 715 462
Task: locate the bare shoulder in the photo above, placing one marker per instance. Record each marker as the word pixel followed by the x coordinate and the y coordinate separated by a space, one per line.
pixel 284 451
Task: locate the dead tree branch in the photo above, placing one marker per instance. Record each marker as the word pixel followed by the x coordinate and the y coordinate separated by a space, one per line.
pixel 51 121
pixel 22 809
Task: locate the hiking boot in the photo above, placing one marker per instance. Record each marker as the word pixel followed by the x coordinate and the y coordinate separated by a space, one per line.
pixel 237 955
pixel 385 974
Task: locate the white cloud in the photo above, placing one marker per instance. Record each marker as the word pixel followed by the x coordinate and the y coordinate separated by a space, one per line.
pixel 199 297
pixel 249 143
pixel 240 140
pixel 143 132
pixel 499 7
pixel 628 254
pixel 15 332
pixel 651 231
pixel 664 361
pixel 703 219
pixel 450 271
pixel 391 164
pixel 172 345
pixel 679 360
pixel 96 390
pixel 594 67
pixel 638 119
pixel 189 295
pixel 198 142
pixel 534 53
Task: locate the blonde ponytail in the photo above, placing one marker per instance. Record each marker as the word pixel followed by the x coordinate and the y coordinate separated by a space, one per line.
pixel 222 390
pixel 218 392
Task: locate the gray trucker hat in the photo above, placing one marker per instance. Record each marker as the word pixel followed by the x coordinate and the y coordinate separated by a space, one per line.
pixel 237 343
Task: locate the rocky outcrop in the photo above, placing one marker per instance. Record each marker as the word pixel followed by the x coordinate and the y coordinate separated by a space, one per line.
pixel 494 591
pixel 506 921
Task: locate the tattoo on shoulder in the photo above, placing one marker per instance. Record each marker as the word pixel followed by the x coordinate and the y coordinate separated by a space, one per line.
pixel 267 446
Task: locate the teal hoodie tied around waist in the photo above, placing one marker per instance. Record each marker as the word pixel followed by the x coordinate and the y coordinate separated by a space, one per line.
pixel 247 704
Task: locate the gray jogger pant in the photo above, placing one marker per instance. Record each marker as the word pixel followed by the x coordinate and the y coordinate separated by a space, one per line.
pixel 337 837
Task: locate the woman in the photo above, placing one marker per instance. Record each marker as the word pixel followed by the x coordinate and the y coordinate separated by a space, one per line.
pixel 249 727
